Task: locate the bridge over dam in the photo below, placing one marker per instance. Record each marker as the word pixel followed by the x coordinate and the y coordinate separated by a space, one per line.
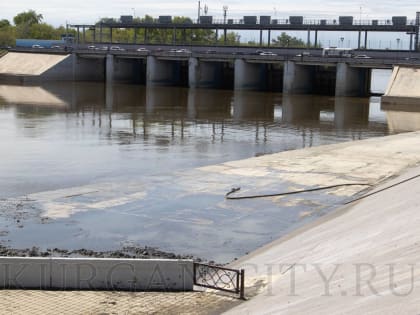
pixel 291 71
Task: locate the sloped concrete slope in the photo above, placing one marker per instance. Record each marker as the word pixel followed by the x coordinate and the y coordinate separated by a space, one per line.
pixel 363 259
pixel 28 63
pixel 403 87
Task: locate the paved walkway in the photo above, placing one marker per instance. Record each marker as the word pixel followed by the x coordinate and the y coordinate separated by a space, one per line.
pixel 86 302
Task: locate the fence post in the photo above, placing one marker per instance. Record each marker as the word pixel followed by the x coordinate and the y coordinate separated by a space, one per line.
pixel 242 294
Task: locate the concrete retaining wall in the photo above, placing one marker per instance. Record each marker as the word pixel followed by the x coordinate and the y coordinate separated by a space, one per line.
pixel 403 87
pixel 96 274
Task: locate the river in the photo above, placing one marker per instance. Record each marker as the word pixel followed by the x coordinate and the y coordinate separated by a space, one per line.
pixel 64 135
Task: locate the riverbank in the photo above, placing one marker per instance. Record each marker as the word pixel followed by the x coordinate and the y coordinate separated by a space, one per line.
pixel 361 259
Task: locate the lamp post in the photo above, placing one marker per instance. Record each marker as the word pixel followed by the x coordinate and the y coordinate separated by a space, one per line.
pixel 225 8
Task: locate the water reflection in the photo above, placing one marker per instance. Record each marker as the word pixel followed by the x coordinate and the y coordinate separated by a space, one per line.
pixel 298 108
pixel 402 117
pixel 29 95
pixel 254 106
pixel 69 135
pixel 350 112
pixel 169 128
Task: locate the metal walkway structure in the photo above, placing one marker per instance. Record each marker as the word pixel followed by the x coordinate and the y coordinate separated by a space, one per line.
pixel 104 31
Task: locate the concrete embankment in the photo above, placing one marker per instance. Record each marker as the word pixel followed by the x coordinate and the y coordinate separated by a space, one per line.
pixel 403 87
pixel 361 259
pixel 29 66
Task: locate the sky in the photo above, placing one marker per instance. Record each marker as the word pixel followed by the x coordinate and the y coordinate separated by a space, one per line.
pixel 58 12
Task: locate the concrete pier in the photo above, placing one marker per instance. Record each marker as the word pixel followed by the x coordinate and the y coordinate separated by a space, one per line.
pixel 297 78
pixel 205 74
pixel 249 76
pixel 351 81
pixel 125 70
pixel 165 72
pixel 87 69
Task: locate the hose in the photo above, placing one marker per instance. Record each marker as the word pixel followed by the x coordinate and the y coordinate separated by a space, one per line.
pixel 233 190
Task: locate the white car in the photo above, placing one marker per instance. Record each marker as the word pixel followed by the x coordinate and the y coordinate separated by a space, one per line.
pixel 267 53
pixel 142 49
pixel 116 48
pixel 362 57
pixel 37 46
pixel 184 51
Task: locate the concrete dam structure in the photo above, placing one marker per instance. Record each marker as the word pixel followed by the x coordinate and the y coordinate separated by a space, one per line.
pixel 290 75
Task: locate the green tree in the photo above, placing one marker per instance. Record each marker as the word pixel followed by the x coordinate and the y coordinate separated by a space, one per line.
pixel 4 23
pixel 232 38
pixel 7 36
pixel 43 31
pixel 285 40
pixel 29 18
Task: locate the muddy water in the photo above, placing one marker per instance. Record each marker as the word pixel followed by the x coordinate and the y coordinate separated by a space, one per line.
pixel 60 136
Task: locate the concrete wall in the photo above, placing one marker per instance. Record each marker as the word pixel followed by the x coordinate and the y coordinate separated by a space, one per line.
pixel 403 87
pixel 62 71
pixel 88 69
pixel 96 274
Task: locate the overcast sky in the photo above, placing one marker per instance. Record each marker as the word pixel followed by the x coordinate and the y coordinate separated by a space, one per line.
pixel 57 12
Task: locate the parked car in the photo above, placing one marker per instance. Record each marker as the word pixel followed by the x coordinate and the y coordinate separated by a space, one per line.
pixel 56 47
pixel 210 51
pixel 102 48
pixel 91 47
pixel 37 46
pixel 142 49
pixel 362 57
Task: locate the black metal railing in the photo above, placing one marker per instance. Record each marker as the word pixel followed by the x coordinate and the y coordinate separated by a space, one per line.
pixel 220 278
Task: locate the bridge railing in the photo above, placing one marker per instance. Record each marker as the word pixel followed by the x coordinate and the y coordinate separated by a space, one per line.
pixel 272 22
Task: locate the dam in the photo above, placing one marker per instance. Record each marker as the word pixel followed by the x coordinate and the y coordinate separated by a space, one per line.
pixel 289 74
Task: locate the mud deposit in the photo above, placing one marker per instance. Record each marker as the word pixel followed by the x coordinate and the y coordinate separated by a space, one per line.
pixel 125 252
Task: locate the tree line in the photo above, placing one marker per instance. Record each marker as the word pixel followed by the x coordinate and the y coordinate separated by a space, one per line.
pixel 30 25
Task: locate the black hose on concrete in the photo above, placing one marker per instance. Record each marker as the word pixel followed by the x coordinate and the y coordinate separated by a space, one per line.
pixel 227 196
